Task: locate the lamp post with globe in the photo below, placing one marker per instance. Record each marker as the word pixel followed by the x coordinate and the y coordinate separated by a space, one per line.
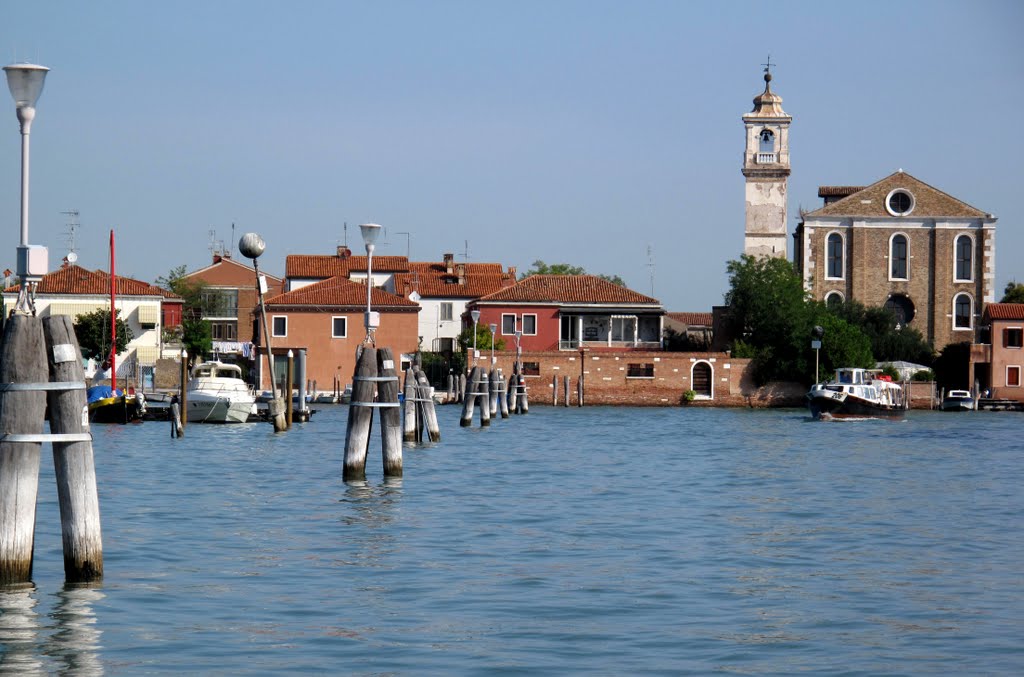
pixel 252 246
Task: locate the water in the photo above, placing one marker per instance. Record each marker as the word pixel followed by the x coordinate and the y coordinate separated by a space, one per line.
pixel 599 541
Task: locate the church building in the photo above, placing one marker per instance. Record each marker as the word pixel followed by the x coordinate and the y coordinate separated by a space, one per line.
pixel 904 244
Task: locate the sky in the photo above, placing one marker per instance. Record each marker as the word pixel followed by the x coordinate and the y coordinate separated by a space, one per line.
pixel 606 135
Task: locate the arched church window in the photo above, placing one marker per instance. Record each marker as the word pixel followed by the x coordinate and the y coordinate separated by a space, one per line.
pixel 962 311
pixel 898 257
pixel 835 256
pixel 964 258
pixel 767 141
pixel 833 299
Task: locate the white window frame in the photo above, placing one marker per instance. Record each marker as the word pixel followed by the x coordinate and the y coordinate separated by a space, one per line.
pixel 1006 345
pixel 523 325
pixel 507 333
pixel 700 396
pixel 446 311
pixel 273 326
pixel 834 292
pixel 888 262
pixel 910 210
pixel 339 317
pixel 1006 381
pixel 842 255
pixel 970 268
pixel 970 313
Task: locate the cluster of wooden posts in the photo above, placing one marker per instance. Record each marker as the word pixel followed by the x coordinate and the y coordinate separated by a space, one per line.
pixel 489 391
pixel 40 368
pixel 565 401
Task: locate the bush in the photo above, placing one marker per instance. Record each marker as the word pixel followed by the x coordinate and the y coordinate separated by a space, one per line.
pixel 923 375
pixel 689 396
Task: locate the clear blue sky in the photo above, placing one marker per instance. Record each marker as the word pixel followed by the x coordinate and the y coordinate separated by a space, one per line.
pixel 583 132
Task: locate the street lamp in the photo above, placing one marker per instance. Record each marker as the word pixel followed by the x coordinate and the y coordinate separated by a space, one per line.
pixel 371 320
pixel 475 314
pixel 252 246
pixel 494 328
pixel 817 333
pixel 25 80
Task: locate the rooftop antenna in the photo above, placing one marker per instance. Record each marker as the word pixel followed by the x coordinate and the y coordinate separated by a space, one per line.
pixel 650 265
pixel 72 231
pixel 344 242
pixel 408 238
pixel 465 252
pixel 212 246
pixel 232 254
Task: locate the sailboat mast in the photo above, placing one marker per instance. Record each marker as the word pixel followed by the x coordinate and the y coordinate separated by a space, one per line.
pixel 113 318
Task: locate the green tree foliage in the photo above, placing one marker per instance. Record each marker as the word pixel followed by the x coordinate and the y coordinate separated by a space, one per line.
pixel 887 343
pixel 541 268
pixel 842 345
pixel 483 339
pixel 93 332
pixel 952 367
pixel 1014 293
pixel 195 333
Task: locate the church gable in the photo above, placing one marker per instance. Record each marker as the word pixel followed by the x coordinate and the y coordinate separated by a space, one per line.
pixel 899 194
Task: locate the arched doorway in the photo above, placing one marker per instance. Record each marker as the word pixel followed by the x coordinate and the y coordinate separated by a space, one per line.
pixel 701 379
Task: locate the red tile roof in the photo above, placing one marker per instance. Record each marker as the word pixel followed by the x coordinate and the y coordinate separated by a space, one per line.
pixel 838 191
pixel 431 280
pixel 323 266
pixel 569 289
pixel 1005 311
pixel 76 280
pixel 692 319
pixel 337 292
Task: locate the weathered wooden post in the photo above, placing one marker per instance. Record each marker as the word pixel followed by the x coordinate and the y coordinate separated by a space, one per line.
pixel 429 412
pixel 287 390
pixel 579 391
pixel 461 397
pixel 410 424
pixel 360 414
pixel 300 376
pixel 451 389
pixel 524 398
pixel 390 415
pixel 469 400
pixel 565 381
pixel 493 397
pixel 554 390
pixel 480 387
pixel 502 394
pixel 22 409
pixel 175 418
pixel 73 461
pixel 183 392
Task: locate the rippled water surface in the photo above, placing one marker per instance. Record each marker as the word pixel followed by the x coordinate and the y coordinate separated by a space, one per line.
pixel 597 540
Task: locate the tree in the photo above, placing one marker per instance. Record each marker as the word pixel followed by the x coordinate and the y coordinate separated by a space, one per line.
pixel 888 344
pixel 1014 293
pixel 195 333
pixel 483 338
pixel 541 268
pixel 952 367
pixel 93 333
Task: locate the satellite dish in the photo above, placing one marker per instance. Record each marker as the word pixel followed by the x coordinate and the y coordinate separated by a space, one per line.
pixel 72 257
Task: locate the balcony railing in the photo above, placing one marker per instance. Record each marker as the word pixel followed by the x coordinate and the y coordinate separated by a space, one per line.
pixel 605 343
pixel 766 158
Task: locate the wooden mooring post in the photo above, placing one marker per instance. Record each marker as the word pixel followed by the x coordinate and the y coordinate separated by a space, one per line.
pixel 579 390
pixel 480 392
pixel 502 395
pixel 522 399
pixel 183 393
pixel 494 396
pixel 374 378
pixel 554 390
pixel 390 416
pixel 410 423
pixel 565 380
pixel 468 400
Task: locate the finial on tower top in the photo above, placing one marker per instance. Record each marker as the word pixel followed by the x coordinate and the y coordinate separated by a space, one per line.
pixel 768 70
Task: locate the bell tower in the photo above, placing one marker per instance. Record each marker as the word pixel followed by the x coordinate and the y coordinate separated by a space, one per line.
pixel 766 168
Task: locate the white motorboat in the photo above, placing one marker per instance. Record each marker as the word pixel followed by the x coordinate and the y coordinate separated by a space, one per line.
pixel 217 394
pixel 857 393
pixel 958 400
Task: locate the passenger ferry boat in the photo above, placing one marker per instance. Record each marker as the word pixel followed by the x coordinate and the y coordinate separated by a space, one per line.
pixel 857 393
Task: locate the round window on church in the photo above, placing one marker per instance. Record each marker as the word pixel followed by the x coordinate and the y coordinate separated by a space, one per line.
pixel 899 202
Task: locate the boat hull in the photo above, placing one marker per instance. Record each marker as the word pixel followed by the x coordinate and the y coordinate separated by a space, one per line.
pixel 957 405
pixel 123 409
pixel 209 409
pixel 829 405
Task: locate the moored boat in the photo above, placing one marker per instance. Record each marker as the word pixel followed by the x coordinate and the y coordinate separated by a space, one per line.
pixel 109 405
pixel 958 400
pixel 857 393
pixel 217 394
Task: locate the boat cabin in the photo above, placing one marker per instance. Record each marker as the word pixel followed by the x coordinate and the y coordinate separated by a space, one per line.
pixel 216 369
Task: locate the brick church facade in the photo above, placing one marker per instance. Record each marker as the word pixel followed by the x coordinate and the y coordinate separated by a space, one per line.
pixel 906 245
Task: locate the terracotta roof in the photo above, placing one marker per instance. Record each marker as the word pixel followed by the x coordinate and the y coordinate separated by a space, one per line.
pixel 440 268
pixel 929 202
pixel 692 319
pixel 569 289
pixel 1004 311
pixel 76 280
pixel 325 266
pixel 436 282
pixel 339 291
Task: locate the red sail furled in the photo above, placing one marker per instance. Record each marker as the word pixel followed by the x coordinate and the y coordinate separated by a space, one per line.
pixel 113 319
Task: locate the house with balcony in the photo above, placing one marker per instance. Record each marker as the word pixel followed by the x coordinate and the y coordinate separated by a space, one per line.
pixel 997 365
pixel 229 303
pixel 571 312
pixel 72 290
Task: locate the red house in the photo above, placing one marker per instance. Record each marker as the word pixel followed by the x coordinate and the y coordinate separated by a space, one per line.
pixel 569 312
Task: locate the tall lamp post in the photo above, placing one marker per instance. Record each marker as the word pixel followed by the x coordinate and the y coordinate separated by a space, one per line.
pixel 817 333
pixel 476 318
pixel 252 246
pixel 494 328
pixel 25 80
pixel 371 320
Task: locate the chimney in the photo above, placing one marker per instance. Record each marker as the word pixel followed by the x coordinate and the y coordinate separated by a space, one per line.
pixel 449 259
pixel 216 258
pixel 460 270
pixel 344 252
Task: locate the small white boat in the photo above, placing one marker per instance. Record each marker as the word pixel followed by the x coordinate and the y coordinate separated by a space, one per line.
pixel 857 393
pixel 217 394
pixel 958 400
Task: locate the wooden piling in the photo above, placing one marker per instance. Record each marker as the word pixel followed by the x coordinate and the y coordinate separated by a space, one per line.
pixel 390 414
pixel 565 380
pixel 289 402
pixel 175 420
pixel 502 395
pixel 524 399
pixel 468 400
pixel 451 389
pixel 579 391
pixel 493 396
pixel 481 386
pixel 429 412
pixel 461 397
pixel 512 392
pixel 22 360
pixel 183 393
pixel 360 417
pixel 73 461
pixel 554 390
pixel 410 424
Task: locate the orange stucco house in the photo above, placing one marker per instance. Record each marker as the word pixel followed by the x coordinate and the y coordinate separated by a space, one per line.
pixel 326 319
pixel 998 365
